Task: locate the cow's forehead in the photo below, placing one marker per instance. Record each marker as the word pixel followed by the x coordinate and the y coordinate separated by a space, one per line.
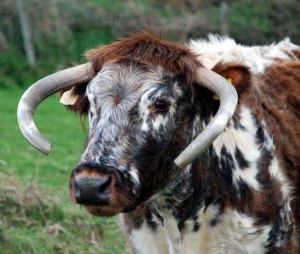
pixel 117 83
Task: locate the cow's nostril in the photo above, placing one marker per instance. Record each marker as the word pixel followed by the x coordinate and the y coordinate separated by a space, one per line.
pixel 92 191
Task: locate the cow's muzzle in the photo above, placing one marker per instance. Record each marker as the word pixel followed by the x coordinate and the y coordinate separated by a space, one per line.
pixel 99 190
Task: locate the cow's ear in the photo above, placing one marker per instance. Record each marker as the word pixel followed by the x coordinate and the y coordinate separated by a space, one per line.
pixel 68 98
pixel 75 99
pixel 238 75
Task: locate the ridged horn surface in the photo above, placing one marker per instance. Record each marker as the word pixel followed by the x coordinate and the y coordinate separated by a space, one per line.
pixel 38 92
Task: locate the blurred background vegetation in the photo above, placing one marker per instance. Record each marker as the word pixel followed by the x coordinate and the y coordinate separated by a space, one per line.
pixel 60 31
pixel 40 37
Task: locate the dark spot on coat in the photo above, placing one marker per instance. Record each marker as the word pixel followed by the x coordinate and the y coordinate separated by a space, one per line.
pixel 239 156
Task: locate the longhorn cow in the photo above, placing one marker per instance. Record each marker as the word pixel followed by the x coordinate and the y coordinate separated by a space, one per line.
pixel 196 146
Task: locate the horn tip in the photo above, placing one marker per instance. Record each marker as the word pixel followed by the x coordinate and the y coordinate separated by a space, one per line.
pixel 180 163
pixel 46 149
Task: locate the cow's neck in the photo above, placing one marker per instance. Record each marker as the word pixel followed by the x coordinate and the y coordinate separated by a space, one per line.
pixel 185 199
pixel 242 160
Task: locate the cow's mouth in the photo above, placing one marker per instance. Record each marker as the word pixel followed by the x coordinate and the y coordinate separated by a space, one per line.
pixel 103 210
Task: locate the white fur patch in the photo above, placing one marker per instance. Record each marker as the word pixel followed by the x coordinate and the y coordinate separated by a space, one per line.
pixel 218 49
pixel 277 174
pixel 145 241
pixel 245 141
pixel 134 175
pixel 235 233
pixel 173 234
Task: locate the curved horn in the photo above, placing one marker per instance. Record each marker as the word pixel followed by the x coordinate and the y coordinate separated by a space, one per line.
pixel 40 91
pixel 228 102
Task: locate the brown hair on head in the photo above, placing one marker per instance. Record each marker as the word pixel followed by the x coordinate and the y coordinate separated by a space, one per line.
pixel 147 48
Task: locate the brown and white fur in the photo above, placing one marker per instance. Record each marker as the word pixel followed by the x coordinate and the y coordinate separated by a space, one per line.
pixel 242 194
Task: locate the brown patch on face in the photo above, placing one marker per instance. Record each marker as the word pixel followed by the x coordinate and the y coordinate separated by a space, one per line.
pixel 89 174
pixel 239 76
pixel 147 48
pixel 117 99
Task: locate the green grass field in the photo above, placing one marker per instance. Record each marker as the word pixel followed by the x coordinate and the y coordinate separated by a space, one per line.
pixel 36 215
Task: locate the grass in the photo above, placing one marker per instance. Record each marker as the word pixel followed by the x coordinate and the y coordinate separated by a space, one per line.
pixel 36 215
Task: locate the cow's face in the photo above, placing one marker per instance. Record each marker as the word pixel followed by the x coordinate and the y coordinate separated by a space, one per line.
pixel 140 119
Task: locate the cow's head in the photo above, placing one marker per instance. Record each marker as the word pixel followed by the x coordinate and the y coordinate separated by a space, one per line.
pixel 140 96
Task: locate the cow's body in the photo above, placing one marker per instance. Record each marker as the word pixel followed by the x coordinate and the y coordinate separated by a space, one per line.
pixel 241 195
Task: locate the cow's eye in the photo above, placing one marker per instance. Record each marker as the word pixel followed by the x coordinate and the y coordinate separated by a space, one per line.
pixel 161 105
